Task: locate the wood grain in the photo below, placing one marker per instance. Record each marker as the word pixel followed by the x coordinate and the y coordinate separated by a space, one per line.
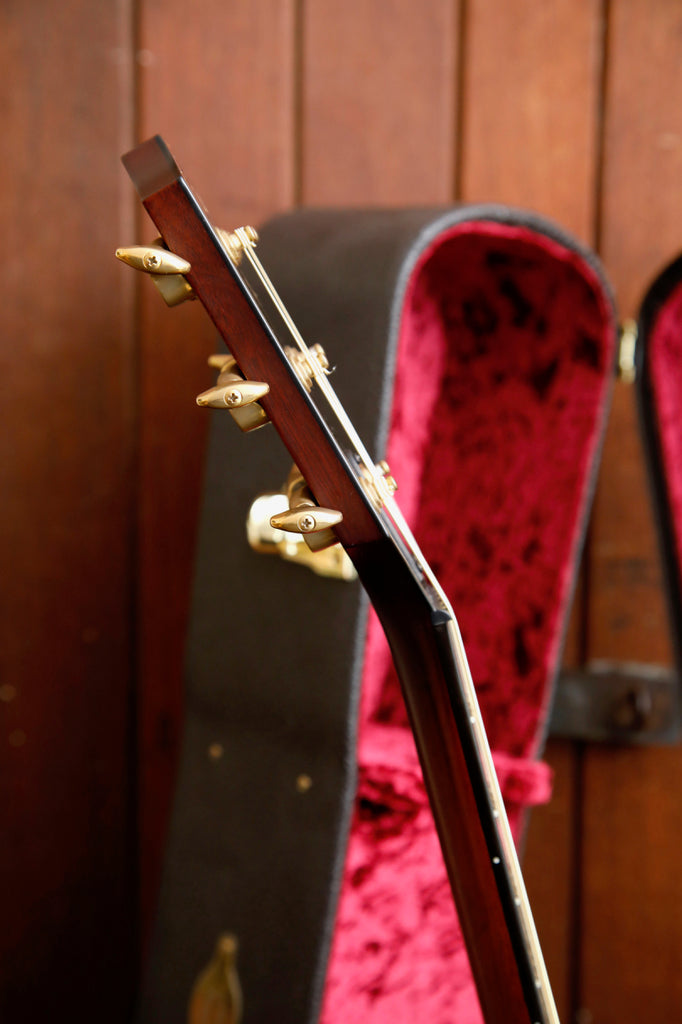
pixel 379 102
pixel 531 83
pixel 221 92
pixel 632 927
pixel 641 202
pixel 549 866
pixel 66 787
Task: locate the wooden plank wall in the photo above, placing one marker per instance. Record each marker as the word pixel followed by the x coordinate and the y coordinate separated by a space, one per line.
pixel 570 107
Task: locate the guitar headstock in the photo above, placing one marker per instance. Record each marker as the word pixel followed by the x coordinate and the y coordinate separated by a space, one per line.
pixel 270 375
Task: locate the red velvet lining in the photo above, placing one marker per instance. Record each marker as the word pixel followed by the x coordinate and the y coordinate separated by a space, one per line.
pixel 665 360
pixel 501 383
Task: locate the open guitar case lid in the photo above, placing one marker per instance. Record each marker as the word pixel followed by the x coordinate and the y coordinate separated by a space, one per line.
pixel 475 349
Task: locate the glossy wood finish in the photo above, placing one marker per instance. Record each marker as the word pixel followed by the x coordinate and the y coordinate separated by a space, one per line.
pixel 569 107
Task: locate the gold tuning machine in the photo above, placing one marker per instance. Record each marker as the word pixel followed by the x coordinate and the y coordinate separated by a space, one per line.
pixel 165 268
pixel 310 520
pixel 153 259
pixel 232 392
pixel 234 242
pixel 308 365
pixel 304 517
pixel 332 562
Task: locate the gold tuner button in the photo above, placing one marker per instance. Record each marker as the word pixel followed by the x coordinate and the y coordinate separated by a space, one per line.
pixel 306 519
pixel 153 259
pixel 233 395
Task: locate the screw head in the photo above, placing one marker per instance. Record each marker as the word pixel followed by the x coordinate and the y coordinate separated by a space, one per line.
pixel 233 398
pixel 306 523
pixel 151 260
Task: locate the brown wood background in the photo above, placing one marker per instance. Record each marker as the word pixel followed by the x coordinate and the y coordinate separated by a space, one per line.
pixel 571 107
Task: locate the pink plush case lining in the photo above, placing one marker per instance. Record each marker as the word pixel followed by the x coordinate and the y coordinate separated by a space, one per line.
pixel 665 362
pixel 502 382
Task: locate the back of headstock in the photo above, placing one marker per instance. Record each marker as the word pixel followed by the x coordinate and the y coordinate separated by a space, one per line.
pixel 264 378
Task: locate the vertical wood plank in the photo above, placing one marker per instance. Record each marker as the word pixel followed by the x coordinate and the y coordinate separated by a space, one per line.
pixel 642 145
pixel 379 101
pixel 551 854
pixel 221 92
pixel 549 868
pixel 67 944
pixel 531 107
pixel 530 118
pixel 632 891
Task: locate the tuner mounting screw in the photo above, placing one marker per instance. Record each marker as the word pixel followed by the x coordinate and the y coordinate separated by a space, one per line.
pixel 151 261
pixel 233 398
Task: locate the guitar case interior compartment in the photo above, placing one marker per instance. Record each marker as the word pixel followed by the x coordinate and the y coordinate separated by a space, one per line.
pixel 474 349
pixel 659 379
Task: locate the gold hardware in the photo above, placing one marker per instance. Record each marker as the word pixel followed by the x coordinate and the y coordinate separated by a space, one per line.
pixel 627 348
pixel 232 392
pixel 304 516
pixel 234 241
pixel 303 783
pixel 216 996
pixel 235 394
pixel 389 479
pixel 306 519
pixel 379 486
pixel 165 269
pixel 153 259
pixel 332 562
pixel 231 244
pixel 173 287
pixel 307 364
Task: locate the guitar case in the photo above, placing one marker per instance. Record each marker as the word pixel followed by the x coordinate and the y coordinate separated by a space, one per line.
pixel 474 348
pixel 659 377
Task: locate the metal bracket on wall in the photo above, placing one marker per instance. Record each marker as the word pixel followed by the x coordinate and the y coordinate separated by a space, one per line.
pixel 617 702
